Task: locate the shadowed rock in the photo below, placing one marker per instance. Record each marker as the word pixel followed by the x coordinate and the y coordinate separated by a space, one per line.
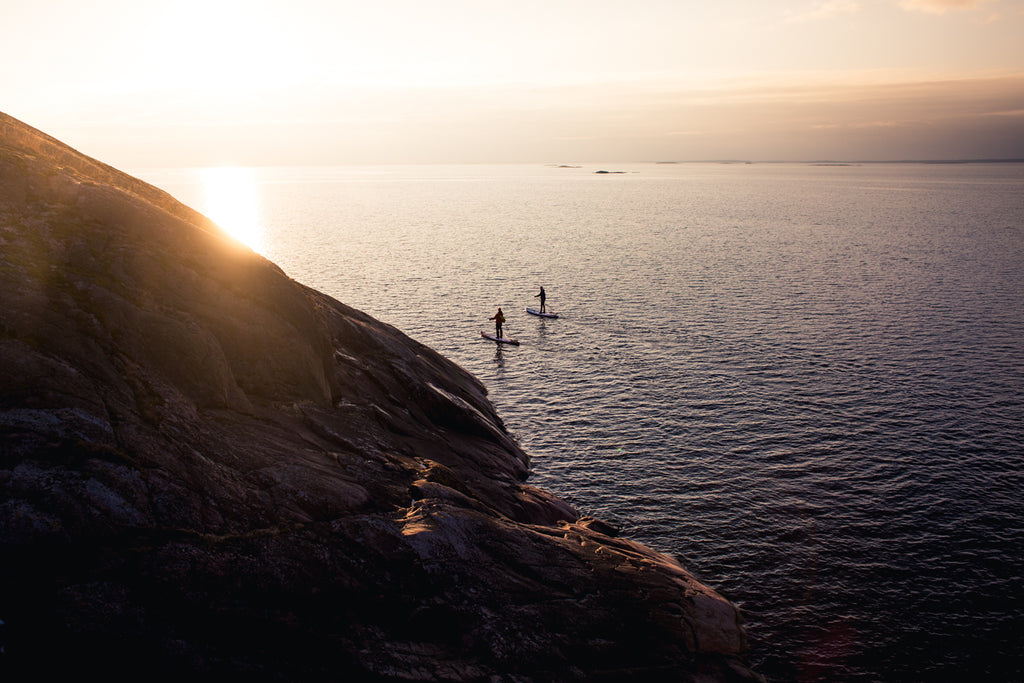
pixel 208 469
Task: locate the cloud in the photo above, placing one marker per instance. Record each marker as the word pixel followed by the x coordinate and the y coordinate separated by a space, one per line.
pixel 828 116
pixel 1015 113
pixel 940 6
pixel 826 10
pixel 857 120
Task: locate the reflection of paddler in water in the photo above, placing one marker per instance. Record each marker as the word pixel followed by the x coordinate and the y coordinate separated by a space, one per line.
pixel 542 296
pixel 499 320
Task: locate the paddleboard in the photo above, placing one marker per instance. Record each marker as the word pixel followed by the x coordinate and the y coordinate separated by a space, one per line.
pixel 500 340
pixel 534 311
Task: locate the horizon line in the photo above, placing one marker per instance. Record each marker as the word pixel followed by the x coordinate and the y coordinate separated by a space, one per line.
pixel 580 164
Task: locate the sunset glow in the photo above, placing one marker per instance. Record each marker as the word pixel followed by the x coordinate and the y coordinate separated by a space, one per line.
pixel 231 201
pixel 264 83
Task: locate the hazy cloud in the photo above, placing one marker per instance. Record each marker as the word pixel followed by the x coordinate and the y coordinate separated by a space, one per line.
pixel 1015 113
pixel 825 10
pixel 871 114
pixel 941 6
pixel 752 119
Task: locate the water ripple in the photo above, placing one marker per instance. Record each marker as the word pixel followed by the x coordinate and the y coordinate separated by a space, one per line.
pixel 807 382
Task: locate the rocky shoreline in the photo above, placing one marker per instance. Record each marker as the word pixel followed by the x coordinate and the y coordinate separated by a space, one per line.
pixel 209 469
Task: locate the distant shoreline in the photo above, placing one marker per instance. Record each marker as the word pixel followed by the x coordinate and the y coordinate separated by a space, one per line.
pixel 838 162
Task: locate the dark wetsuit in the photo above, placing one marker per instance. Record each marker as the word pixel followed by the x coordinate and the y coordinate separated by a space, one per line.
pixel 498 319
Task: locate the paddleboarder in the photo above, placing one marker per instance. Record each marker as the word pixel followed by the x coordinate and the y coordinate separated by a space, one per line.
pixel 499 320
pixel 542 296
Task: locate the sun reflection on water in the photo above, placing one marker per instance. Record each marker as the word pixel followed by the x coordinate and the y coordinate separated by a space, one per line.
pixel 232 202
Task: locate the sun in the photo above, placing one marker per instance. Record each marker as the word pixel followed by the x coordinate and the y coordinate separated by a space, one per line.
pixel 232 202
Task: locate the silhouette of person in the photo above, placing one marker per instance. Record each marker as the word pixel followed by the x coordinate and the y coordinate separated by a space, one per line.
pixel 499 320
pixel 542 296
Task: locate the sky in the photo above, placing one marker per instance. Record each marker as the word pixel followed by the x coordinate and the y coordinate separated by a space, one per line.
pixel 190 83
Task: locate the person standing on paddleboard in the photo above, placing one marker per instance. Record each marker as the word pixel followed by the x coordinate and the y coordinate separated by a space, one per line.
pixel 542 296
pixel 499 320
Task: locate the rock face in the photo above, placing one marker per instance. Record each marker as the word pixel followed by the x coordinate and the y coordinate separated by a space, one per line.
pixel 209 469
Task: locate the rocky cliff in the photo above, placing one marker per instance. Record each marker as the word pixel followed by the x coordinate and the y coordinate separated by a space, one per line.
pixel 208 469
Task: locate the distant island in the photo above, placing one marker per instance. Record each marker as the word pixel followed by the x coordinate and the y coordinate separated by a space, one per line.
pixel 854 162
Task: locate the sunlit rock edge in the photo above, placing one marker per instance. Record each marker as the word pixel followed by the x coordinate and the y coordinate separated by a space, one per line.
pixel 209 469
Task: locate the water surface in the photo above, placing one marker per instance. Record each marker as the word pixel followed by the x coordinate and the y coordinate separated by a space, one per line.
pixel 807 382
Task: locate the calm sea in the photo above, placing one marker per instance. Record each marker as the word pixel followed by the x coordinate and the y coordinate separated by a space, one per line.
pixel 805 381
